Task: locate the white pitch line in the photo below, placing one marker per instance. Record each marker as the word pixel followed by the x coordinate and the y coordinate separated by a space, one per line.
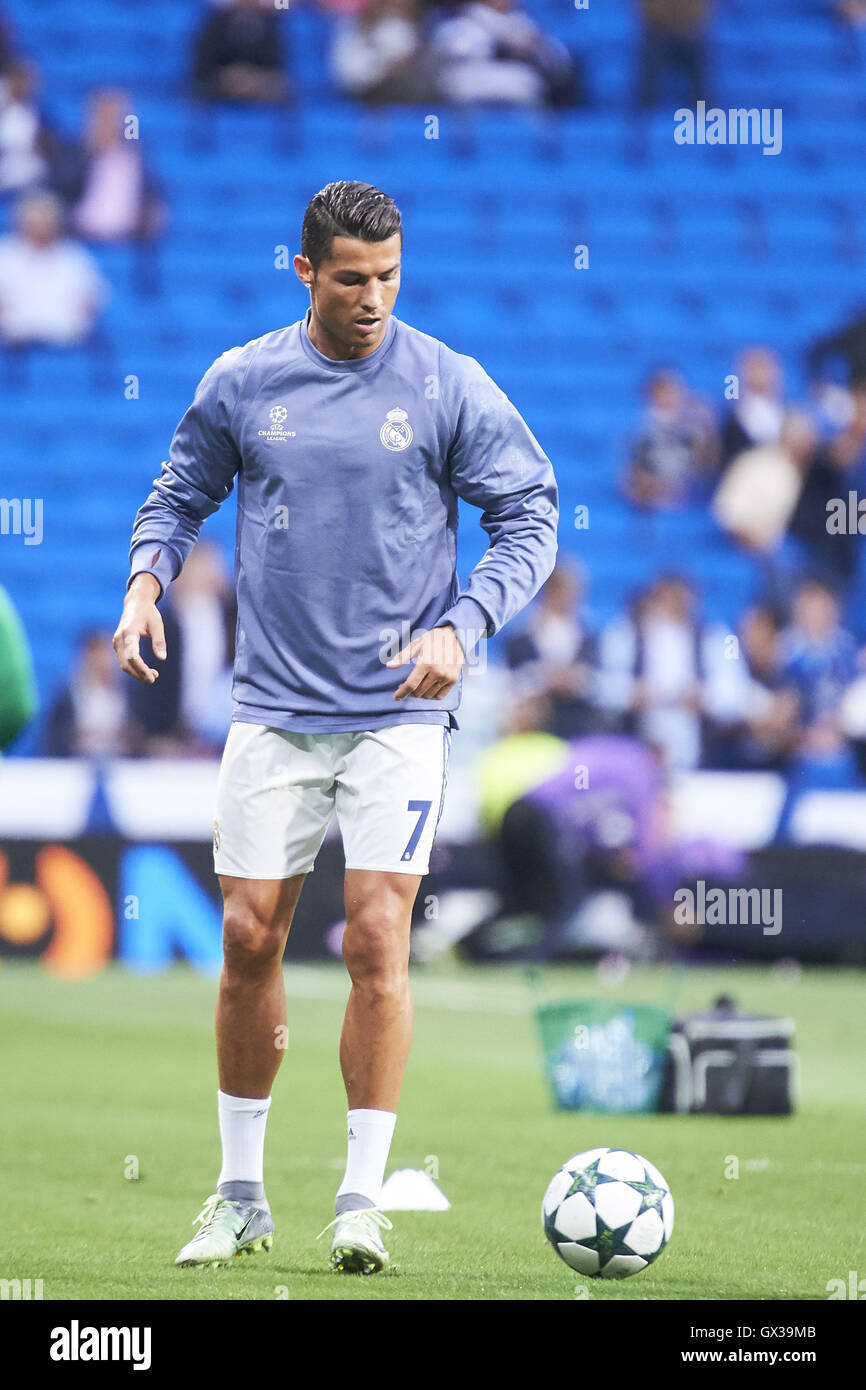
pixel 307 982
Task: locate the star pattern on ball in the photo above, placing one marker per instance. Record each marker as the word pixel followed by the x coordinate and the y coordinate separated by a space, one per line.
pixel 586 1181
pixel 607 1241
pixel 651 1195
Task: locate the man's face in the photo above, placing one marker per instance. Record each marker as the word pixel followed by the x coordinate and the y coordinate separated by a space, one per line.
pixel 816 612
pixel 106 121
pixel 98 661
pixel 666 394
pixel 39 221
pixel 761 372
pixel 671 599
pixel 353 291
pixel 561 593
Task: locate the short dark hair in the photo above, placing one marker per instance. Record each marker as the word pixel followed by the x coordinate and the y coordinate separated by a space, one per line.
pixel 347 209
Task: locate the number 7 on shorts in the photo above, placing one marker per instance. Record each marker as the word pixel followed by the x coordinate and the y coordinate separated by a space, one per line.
pixel 423 809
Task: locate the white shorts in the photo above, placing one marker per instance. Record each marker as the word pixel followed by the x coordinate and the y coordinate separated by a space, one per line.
pixel 277 790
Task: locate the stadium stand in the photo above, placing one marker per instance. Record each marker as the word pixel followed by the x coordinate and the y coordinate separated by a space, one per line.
pixel 692 254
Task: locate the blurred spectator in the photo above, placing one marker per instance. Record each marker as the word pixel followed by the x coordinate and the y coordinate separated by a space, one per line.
pixel 50 289
pixel 662 672
pixel 852 11
pixel 852 716
pixel 239 54
pixel 760 631
pixel 18 698
pixel 848 345
pixel 819 660
pixel 555 655
pixel 837 467
pixel 89 717
pixel 187 712
pixel 589 850
pixel 761 734
pixel 113 195
pixel 379 57
pixel 757 416
pixel 673 44
pixel 25 142
pixel 487 51
pixel 676 448
pixel 523 755
pixel 206 612
pixel 758 494
pixel 601 804
pixel 7 48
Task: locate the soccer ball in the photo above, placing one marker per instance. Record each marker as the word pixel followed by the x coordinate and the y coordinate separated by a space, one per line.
pixel 608 1213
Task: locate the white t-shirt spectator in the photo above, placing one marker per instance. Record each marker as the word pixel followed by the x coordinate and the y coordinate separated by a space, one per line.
pixel 676 661
pixel 48 294
pixel 468 47
pixel 21 163
pixel 362 57
pixel 202 624
pixel 100 719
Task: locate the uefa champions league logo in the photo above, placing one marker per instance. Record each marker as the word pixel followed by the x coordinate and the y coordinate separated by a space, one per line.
pixel 278 414
pixel 396 433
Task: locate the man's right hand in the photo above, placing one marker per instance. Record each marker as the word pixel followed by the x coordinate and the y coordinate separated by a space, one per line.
pixel 140 618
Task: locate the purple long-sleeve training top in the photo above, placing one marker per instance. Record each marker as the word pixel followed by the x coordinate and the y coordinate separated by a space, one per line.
pixel 348 475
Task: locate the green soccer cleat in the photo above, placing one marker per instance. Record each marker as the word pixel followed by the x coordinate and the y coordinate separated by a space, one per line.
pixel 356 1245
pixel 227 1231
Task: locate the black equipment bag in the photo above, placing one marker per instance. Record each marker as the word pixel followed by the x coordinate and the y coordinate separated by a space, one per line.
pixel 725 1063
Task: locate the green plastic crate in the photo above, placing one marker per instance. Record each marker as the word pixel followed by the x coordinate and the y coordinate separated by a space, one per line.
pixel 604 1056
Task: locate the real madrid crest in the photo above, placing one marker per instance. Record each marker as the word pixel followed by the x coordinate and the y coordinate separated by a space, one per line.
pixel 396 433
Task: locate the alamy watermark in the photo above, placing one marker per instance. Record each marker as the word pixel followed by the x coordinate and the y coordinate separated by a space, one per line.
pixel 736 126
pixel 846 516
pixel 394 640
pixel 729 907
pixel 22 516
pixel 20 1290
pixel 853 1288
pixel 77 1343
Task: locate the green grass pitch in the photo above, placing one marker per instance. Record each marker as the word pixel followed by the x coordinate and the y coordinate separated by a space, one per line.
pixel 102 1072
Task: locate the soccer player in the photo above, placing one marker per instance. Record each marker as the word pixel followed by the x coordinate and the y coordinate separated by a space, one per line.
pixel 351 436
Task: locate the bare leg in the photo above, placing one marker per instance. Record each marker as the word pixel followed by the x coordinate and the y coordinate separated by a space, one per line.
pixel 251 1004
pixel 377 1028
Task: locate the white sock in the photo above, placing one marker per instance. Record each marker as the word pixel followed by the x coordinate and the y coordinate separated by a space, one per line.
pixel 242 1130
pixel 369 1141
